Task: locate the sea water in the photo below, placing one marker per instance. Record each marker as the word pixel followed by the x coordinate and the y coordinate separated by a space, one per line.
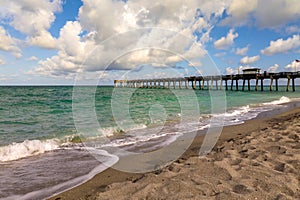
pixel 40 145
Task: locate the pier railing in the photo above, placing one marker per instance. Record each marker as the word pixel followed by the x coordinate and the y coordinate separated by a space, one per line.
pixel 207 82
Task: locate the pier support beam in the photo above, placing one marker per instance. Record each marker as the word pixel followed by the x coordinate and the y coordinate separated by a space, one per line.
pixel 221 84
pixel 276 83
pixel 271 83
pixel 262 84
pixel 248 84
pixel 194 84
pixel 288 83
pixel 243 88
pixel 244 82
pixel 256 84
pixel 237 84
pixel 202 85
pixel 226 85
pixel 293 84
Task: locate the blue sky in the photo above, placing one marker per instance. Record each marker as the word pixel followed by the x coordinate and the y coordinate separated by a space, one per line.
pixel 58 42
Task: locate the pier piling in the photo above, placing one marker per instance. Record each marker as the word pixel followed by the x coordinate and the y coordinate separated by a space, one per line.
pixel 288 83
pixel 293 84
pixel 243 88
pixel 271 83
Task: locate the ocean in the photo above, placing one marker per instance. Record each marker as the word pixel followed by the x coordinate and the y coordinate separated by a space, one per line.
pixel 47 133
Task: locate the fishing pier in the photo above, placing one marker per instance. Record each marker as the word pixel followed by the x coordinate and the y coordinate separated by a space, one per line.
pixel 219 82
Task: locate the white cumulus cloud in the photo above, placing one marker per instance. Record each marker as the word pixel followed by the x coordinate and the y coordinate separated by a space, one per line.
pixel 9 44
pixel 273 68
pixel 32 58
pixel 230 70
pixel 261 13
pixel 249 60
pixel 242 51
pixel 100 22
pixel 33 18
pixel 225 42
pixel 238 70
pixel 282 46
pixel 239 12
pixel 128 34
pixel 275 13
pixel 293 66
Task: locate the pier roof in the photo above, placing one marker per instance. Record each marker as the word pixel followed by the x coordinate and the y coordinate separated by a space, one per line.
pixel 251 69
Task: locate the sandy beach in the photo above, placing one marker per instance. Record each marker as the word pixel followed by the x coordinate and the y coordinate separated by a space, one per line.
pixel 259 159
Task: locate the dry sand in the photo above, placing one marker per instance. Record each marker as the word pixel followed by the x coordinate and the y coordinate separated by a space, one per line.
pixel 259 159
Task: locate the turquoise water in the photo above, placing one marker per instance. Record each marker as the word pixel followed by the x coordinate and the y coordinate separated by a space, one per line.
pixel 37 122
pixel 29 113
pixel 34 113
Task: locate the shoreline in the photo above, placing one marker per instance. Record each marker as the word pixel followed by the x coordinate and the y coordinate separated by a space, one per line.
pixel 103 182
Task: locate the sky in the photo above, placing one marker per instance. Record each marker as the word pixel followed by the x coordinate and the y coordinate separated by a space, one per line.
pixel 57 42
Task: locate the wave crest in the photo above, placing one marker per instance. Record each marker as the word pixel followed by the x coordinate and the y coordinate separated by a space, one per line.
pixel 26 148
pixel 282 100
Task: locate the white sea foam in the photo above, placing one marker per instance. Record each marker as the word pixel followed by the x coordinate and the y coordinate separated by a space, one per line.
pixel 282 100
pixel 110 131
pixel 27 148
pixel 140 136
pixel 239 111
pixel 241 114
pixel 233 116
pixel 107 132
pixel 132 140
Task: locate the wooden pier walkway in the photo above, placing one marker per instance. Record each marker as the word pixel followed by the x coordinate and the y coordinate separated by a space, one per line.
pixel 207 82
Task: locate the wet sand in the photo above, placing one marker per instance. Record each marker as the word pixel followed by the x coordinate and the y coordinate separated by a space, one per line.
pixel 259 159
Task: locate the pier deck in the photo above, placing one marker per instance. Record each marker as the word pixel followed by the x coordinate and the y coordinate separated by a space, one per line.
pixel 207 82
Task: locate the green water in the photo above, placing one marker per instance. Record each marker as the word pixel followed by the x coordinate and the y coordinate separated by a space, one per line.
pixel 28 113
